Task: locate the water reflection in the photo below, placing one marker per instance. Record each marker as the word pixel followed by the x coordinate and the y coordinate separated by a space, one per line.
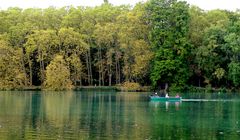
pixel 166 105
pixel 96 115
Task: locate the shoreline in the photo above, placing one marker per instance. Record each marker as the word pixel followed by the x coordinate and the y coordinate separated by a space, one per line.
pixel 83 88
pixel 122 89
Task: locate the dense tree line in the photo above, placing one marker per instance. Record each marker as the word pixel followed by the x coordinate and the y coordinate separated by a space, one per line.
pixel 153 43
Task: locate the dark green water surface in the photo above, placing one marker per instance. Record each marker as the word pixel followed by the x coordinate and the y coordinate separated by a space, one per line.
pixel 111 115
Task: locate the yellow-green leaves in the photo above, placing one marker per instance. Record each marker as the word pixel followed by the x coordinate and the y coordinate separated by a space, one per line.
pixel 133 41
pixel 11 72
pixel 143 56
pixel 72 41
pixel 44 42
pixel 58 75
pixel 219 73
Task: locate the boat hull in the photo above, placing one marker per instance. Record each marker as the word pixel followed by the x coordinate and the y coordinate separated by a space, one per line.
pixel 170 99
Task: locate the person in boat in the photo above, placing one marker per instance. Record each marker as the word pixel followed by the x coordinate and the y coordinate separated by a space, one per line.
pixel 154 94
pixel 177 96
pixel 166 96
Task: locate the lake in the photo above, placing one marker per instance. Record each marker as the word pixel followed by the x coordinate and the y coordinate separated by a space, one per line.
pixel 116 115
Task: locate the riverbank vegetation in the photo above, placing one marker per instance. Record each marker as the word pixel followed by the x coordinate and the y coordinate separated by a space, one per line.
pixel 152 43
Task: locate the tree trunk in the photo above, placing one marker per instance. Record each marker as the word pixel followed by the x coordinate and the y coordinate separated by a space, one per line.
pixel 42 69
pixel 75 77
pixel 80 80
pixel 88 69
pixel 43 76
pixel 110 76
pixel 166 87
pixel 118 71
pixel 90 63
pixel 102 73
pixel 110 68
pixel 41 65
pixel 30 69
pixel 24 69
pixel 99 68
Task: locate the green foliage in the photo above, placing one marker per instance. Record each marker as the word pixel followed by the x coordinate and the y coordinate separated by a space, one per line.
pixel 74 19
pixel 234 73
pixel 77 67
pixel 219 73
pixel 160 41
pixel 58 75
pixel 213 37
pixel 143 55
pixel 134 42
pixel 211 55
pixel 11 72
pixel 44 43
pixel 198 23
pixel 169 22
pixel 71 42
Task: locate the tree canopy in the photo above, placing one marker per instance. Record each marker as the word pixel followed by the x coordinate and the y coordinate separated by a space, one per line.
pixel 156 42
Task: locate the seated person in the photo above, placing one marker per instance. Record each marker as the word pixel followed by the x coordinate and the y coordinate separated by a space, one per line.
pixel 167 96
pixel 177 96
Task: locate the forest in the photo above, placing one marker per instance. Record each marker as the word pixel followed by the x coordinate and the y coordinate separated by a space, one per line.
pixel 152 43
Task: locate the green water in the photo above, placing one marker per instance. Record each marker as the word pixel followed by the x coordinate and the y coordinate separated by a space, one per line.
pixel 110 115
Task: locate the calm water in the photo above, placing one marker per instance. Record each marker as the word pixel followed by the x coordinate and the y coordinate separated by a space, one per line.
pixel 109 115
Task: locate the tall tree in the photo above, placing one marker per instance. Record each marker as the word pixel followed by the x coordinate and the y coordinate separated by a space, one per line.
pixel 233 49
pixel 11 73
pixel 105 17
pixel 197 27
pixel 72 46
pixel 169 22
pixel 134 42
pixel 17 38
pixel 44 43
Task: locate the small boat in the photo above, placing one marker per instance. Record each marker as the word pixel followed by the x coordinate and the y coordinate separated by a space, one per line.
pixel 170 99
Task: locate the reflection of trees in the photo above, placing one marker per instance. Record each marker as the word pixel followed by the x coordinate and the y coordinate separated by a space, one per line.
pixel 57 113
pixel 94 115
pixel 111 116
pixel 12 114
pixel 57 107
